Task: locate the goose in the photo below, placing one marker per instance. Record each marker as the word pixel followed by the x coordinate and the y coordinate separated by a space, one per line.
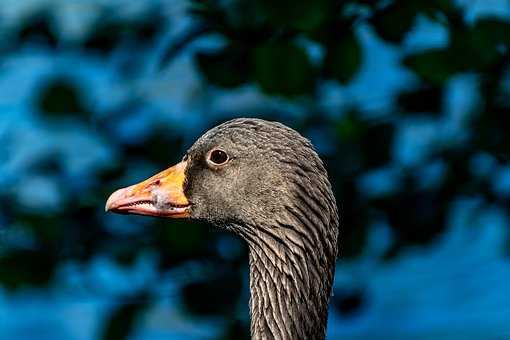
pixel 264 182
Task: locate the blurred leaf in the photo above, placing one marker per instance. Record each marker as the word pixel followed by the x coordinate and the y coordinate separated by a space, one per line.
pixel 125 251
pixel 155 148
pixel 111 172
pixel 283 68
pixel 369 140
pixel 210 13
pixel 343 59
pixel 181 43
pixel 108 34
pixel 51 164
pixel 348 303
pixel 416 217
pixel 104 39
pixel 377 144
pixel 475 48
pixel 180 241
pixel 85 235
pixel 236 330
pixel 354 210
pixel 492 31
pixel 425 99
pixel 123 320
pixel 228 67
pixel 60 97
pixel 303 15
pixel 48 230
pixel 432 65
pixel 481 45
pixel 492 129
pixel 350 127
pixel 184 237
pixel 20 268
pixel 458 178
pixel 39 29
pixel 221 294
pixel 439 9
pixel 394 21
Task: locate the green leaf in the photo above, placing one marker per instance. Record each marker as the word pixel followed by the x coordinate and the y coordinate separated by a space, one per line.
pixel 394 21
pixel 350 128
pixel 304 15
pixel 123 319
pixel 343 60
pixel 432 65
pixel 493 30
pixel 475 48
pixel 481 45
pixel 226 68
pixel 283 68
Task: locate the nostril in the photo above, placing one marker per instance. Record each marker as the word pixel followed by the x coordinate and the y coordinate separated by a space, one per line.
pixel 157 182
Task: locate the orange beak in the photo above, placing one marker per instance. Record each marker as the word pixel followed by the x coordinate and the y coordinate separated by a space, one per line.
pixel 161 195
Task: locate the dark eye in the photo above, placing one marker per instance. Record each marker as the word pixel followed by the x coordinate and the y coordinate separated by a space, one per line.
pixel 218 157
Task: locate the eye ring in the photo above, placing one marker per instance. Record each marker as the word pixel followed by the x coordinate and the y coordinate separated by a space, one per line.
pixel 217 157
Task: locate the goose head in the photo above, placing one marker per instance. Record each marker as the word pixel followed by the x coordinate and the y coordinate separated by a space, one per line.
pixel 265 182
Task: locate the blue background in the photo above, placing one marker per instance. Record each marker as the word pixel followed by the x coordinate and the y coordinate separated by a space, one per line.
pixel 95 95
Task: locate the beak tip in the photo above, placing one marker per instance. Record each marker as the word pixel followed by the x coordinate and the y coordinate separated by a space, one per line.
pixel 113 199
pixel 107 206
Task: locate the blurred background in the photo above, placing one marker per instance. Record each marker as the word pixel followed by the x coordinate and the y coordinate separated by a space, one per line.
pixel 406 101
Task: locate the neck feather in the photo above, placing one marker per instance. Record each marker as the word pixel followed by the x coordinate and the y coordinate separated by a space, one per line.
pixel 291 274
pixel 293 249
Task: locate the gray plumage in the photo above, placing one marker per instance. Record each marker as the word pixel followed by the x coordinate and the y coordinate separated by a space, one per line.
pixel 274 192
